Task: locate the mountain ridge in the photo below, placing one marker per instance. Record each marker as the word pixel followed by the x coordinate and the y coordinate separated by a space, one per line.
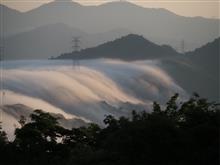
pixel 158 24
pixel 130 47
pixel 105 4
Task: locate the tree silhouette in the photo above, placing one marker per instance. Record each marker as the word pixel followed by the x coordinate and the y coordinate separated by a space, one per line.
pixel 3 136
pixel 179 134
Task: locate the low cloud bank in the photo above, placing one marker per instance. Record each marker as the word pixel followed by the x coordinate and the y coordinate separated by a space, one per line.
pixel 91 90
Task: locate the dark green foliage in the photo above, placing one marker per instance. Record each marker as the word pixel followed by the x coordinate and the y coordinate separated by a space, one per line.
pixel 180 134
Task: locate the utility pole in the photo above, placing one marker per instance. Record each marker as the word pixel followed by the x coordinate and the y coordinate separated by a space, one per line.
pixel 76 48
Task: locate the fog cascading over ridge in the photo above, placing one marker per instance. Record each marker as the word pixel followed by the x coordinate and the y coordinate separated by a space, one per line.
pixel 91 91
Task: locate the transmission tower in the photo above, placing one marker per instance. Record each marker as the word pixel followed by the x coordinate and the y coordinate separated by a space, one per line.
pixel 76 48
pixel 183 47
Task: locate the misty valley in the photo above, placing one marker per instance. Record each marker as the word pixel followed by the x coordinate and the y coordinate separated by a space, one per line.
pixel 109 84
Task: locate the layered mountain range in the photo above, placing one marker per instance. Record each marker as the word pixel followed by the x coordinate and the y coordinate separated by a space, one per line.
pixel 48 30
pixel 138 66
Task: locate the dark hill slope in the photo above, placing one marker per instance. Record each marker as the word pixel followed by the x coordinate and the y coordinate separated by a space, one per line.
pixel 197 71
pixel 207 56
pixel 130 47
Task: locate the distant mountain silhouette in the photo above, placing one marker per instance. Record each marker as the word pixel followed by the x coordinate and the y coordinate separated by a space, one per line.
pixel 159 25
pixel 52 40
pixel 10 18
pixel 40 43
pixel 130 47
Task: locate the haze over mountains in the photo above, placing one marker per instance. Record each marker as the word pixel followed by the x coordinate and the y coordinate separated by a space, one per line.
pixel 126 62
pixel 157 25
pixel 53 40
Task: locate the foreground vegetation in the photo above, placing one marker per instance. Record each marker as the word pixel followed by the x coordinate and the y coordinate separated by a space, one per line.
pixel 180 134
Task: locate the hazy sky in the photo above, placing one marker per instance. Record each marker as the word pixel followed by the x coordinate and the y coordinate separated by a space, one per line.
pixel 205 8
